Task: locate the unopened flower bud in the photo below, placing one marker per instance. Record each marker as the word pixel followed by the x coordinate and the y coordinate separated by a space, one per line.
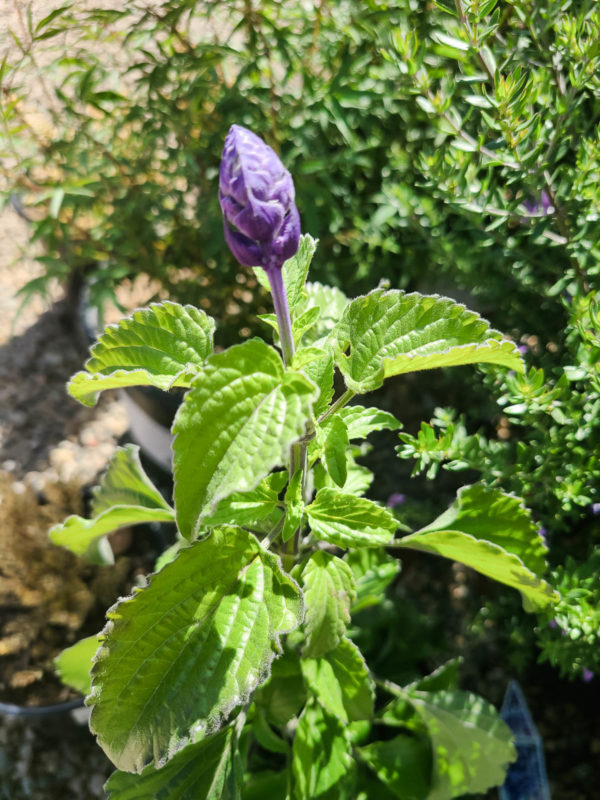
pixel 256 193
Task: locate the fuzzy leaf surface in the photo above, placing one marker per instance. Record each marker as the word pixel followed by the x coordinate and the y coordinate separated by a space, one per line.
pixel 341 682
pixel 335 446
pixel 236 424
pixel 328 594
pixel 390 332
pixel 162 346
pixel 124 497
pixel 201 771
pixel 492 533
pixel 349 521
pixel 361 421
pixel 179 655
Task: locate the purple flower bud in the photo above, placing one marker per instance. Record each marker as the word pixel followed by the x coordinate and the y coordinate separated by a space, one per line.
pixel 587 675
pixel 542 532
pixel 256 193
pixel 595 508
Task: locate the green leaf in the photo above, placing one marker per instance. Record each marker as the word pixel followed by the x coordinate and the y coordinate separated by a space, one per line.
pixel 294 505
pixel 162 345
pixel 373 570
pixel 332 303
pixel 266 784
pixel 390 333
pixel 320 372
pixel 340 681
pixel 349 521
pixel 236 424
pixel 336 444
pixel 179 655
pixel 496 517
pixel 328 594
pixel 361 421
pixel 266 736
pixel 304 323
pixel 202 771
pixel 73 665
pixel 492 533
pixel 284 694
pixel 294 272
pixel 125 497
pixel 402 764
pixel 472 746
pixel 246 508
pixel 322 763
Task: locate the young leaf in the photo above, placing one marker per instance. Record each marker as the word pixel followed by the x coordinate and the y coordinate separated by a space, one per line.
pixel 340 681
pixel 246 508
pixel 390 333
pixel 294 504
pixel 236 424
pixel 336 444
pixel 493 533
pixel 472 746
pixel 328 594
pixel 320 372
pixel 125 497
pixel 349 521
pixel 373 570
pixel 331 302
pixel 361 421
pixel 402 764
pixel 284 694
pixel 162 345
pixel 179 655
pixel 304 323
pixel 201 771
pixel 294 272
pixel 322 757
pixel 73 665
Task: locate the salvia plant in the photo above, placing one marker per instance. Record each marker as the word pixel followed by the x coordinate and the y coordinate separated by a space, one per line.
pixel 233 672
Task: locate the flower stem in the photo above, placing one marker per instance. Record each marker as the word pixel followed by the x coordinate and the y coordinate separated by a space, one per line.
pixel 282 312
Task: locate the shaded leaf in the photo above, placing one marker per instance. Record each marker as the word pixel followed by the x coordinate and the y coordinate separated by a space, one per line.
pixel 328 593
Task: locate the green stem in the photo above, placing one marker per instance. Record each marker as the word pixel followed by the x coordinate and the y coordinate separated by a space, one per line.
pixel 282 312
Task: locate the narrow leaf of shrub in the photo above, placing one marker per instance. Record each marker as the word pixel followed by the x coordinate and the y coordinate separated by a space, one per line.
pixel 161 346
pixel 236 424
pixel 125 497
pixel 349 521
pixel 73 664
pixel 179 655
pixel 390 333
pixel 490 544
pixel 328 594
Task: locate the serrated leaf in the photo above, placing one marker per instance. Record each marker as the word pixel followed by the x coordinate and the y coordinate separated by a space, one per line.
pixel 73 664
pixel 235 425
pixel 402 764
pixel 373 570
pixel 162 346
pixel 492 533
pixel 179 655
pixel 246 508
pixel 304 322
pixel 294 507
pixel 349 521
pixel 322 757
pixel 284 694
pixel 361 421
pixel 340 681
pixel 328 594
pixel 331 302
pixel 294 271
pixel 125 497
pixel 335 446
pixel 202 771
pixel 472 746
pixel 390 333
pixel 320 372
